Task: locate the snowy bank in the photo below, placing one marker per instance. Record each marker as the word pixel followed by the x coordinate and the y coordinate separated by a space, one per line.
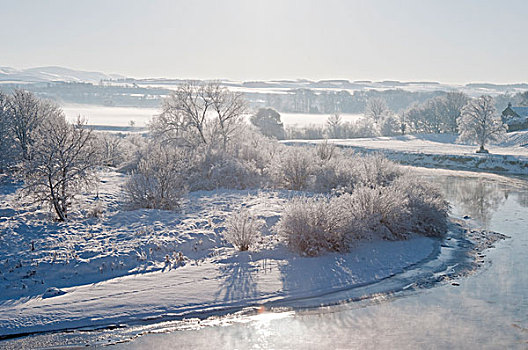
pixel 128 266
pixel 442 151
pixel 216 284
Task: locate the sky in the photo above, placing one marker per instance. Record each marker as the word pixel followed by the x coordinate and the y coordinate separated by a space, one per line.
pixel 451 41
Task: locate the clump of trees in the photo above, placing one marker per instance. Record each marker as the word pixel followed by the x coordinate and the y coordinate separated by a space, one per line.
pixel 437 115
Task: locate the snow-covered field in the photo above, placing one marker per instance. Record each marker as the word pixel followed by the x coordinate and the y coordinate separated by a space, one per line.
pixel 122 116
pixel 442 151
pixel 305 119
pixel 110 116
pixel 143 264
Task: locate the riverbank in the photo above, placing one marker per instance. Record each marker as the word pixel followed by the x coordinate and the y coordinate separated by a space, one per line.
pixel 442 151
pixel 125 268
pixel 131 266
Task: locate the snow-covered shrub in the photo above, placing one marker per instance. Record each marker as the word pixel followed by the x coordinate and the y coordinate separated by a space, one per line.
pixel 363 127
pixel 251 146
pixel 213 169
pixel 293 168
pixel 311 226
pixel 427 207
pixel 376 170
pixel 96 210
pixel 307 132
pixel 377 212
pixel 325 151
pixel 243 230
pixel 335 175
pixel 159 180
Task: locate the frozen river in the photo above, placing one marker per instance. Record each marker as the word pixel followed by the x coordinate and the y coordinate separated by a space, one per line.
pixel 487 309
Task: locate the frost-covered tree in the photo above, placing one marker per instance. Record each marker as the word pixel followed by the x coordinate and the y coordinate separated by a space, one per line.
pixel 389 126
pixel 185 113
pixel 229 107
pixel 7 141
pixel 28 112
pixel 200 113
pixel 333 126
pixel 112 148
pixel 438 114
pixel 268 122
pixel 61 162
pixel 480 123
pixel 451 109
pixel 376 109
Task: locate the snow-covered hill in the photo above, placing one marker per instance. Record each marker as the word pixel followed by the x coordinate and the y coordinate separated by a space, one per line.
pixel 53 73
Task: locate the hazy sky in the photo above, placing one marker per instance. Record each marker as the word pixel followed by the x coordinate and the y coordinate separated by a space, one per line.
pixel 447 41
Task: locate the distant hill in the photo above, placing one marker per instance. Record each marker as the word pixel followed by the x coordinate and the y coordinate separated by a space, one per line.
pixel 53 74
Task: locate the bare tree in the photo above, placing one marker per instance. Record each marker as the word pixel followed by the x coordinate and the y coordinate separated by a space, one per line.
pixel 229 107
pixel 61 162
pixel 480 123
pixel 376 109
pixel 199 113
pixel 185 112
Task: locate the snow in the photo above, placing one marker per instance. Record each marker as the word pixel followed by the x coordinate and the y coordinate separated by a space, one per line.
pixel 124 267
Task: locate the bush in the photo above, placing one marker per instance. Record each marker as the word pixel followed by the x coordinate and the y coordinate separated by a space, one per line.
pixel 335 175
pixel 243 230
pixel 311 226
pixel 377 212
pixel 210 169
pixel 158 182
pixel 375 170
pixel 428 210
pixel 293 168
